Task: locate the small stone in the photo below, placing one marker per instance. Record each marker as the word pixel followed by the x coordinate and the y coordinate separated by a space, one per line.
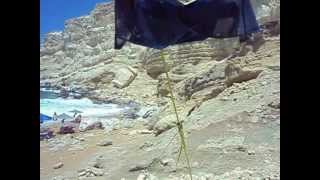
pixel 251 152
pixel 266 161
pixel 81 170
pixel 138 167
pixel 98 165
pixel 264 83
pixel 146 145
pixel 105 143
pixel 242 149
pixel 275 92
pixel 97 172
pixel 224 98
pixel 83 173
pixel 166 162
pixel 59 178
pixel 58 165
pixel 125 133
pixel 275 104
pixel 145 131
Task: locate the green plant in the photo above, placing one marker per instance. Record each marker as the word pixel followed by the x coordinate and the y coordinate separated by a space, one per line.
pixel 179 124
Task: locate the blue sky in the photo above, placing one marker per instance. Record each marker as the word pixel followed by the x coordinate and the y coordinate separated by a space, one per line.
pixel 53 13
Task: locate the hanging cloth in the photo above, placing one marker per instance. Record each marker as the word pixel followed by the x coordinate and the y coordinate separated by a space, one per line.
pixel 160 23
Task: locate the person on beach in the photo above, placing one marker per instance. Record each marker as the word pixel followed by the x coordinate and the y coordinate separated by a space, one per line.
pixel 77 119
pixel 55 116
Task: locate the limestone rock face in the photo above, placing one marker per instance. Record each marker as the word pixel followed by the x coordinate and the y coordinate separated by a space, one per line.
pixel 83 55
pixel 227 96
pixel 266 10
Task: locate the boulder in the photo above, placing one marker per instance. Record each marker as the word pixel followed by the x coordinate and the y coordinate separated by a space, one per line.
pixel 123 77
pixel 67 129
pixel 236 74
pixel 165 124
pixel 214 77
pixel 90 124
pixel 46 133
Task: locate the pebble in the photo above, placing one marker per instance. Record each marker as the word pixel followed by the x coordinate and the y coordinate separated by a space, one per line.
pixel 81 170
pixel 81 139
pixel 251 152
pixel 166 162
pixel 98 165
pixel 83 173
pixel 242 149
pixel 275 104
pixel 97 172
pixel 58 165
pixel 59 178
pixel 224 98
pixel 146 145
pixel 104 143
pixel 138 167
pixel 145 131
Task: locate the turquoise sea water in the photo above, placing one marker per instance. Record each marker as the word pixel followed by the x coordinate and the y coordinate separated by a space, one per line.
pixel 50 103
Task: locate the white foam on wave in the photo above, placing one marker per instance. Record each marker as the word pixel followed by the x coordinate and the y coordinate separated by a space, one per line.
pixel 59 105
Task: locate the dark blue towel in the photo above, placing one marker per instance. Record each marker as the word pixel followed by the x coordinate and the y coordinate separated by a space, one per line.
pixel 160 23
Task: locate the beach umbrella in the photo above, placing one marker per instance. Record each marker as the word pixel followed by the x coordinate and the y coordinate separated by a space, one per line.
pixel 76 111
pixel 44 117
pixel 159 24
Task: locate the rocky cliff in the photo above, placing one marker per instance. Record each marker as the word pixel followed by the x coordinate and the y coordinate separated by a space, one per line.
pixel 82 56
pixel 228 94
